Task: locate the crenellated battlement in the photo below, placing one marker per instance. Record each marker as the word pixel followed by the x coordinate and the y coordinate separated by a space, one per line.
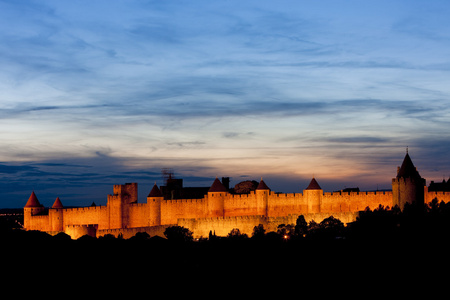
pixel 138 204
pixel 231 219
pixel 184 201
pixel 77 231
pixel 237 210
pixel 41 216
pixel 439 196
pixel 242 196
pixel 85 208
pixel 363 193
pixel 221 211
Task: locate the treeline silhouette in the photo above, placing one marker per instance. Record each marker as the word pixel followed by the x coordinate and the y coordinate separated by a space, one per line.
pixel 378 240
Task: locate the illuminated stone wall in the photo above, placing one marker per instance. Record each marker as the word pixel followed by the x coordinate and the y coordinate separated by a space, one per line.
pixel 222 226
pixel 216 211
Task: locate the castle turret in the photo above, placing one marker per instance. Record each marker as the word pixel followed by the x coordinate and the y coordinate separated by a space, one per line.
pixel 216 198
pixel 32 207
pixel 313 195
pixel 408 186
pixel 57 204
pixel 154 200
pixel 56 216
pixel 262 196
pixel 118 204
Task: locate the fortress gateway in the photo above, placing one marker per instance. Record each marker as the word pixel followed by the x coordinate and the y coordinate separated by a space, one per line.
pixel 221 211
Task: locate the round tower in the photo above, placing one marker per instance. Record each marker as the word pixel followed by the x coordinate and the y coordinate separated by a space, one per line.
pixel 216 199
pixel 408 186
pixel 262 198
pixel 154 200
pixel 313 195
pixel 32 208
pixel 56 216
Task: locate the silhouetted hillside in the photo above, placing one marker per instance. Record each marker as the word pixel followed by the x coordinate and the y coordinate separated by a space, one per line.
pixel 383 240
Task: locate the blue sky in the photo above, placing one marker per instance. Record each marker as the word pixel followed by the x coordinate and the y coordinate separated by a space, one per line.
pixel 96 93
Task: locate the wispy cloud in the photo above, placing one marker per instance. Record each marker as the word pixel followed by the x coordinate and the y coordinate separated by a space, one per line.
pixel 93 96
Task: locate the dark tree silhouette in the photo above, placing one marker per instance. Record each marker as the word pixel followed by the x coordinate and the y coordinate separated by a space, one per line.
pixel 329 228
pixel 301 227
pixel 178 234
pixel 258 231
pixel 245 187
pixel 235 233
pixel 286 231
pixel 140 236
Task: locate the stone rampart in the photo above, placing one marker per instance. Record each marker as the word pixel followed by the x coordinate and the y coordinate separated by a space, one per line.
pixel 222 226
pixel 77 231
pixel 440 196
pixel 172 210
pixel 130 232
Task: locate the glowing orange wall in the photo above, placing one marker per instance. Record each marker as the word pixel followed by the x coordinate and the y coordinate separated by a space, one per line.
pixel 354 201
pixel 123 212
pixel 440 196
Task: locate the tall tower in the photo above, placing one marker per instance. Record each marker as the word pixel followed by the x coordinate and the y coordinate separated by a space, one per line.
pixel 56 216
pixel 262 198
pixel 118 204
pixel 313 194
pixel 154 200
pixel 216 199
pixel 32 208
pixel 408 186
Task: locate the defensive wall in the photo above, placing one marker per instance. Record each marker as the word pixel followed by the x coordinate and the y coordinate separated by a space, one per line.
pixel 354 201
pixel 221 211
pixel 172 210
pixel 201 227
pixel 127 233
pixel 86 215
pixel 239 211
pixel 77 231
pixel 440 196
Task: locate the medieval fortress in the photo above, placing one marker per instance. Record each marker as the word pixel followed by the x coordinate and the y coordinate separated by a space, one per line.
pixel 220 211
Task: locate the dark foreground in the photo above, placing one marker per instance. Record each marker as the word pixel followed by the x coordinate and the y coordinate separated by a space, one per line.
pixel 383 247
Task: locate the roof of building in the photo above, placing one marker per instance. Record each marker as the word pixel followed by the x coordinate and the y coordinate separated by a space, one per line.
pixel 262 185
pixel 313 185
pixel 57 203
pixel 408 169
pixel 443 186
pixel 155 192
pixel 217 186
pixel 33 201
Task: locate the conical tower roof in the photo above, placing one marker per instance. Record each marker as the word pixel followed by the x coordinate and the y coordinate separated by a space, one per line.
pixel 408 170
pixel 57 203
pixel 217 186
pixel 155 192
pixel 262 185
pixel 33 201
pixel 313 185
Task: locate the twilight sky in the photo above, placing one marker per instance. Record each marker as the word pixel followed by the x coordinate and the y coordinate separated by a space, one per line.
pixel 96 93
